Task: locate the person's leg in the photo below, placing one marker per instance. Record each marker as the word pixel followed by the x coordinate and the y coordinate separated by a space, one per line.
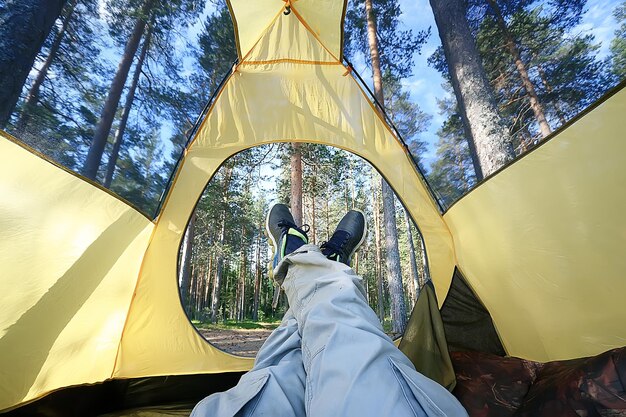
pixel 352 367
pixel 273 387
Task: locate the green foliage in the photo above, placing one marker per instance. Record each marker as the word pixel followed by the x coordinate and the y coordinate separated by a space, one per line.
pixel 617 60
pixel 562 65
pixel 60 123
pixel 217 48
pixel 452 174
pixel 397 46
pixel 407 116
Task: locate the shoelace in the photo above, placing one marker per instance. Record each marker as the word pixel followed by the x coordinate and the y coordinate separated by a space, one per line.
pixel 286 225
pixel 335 246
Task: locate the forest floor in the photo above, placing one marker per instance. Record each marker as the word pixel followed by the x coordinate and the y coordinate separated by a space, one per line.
pixel 237 341
pixel 242 339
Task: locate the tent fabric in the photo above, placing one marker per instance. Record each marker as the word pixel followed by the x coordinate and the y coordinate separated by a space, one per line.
pixel 323 18
pixel 70 255
pixel 542 242
pixel 273 101
pixel 467 324
pixel 424 340
pixel 89 289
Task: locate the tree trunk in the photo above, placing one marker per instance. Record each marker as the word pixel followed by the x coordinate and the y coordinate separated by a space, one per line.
pixel 296 182
pixel 184 273
pixel 535 104
pixel 197 297
pixel 257 277
pixel 24 26
pixel 327 219
pixel 101 135
pixel 549 89
pixel 378 266
pixel 242 278
pixel 414 271
pixel 33 94
pixel 475 99
pixel 313 238
pixel 192 293
pixel 394 275
pixel 217 282
pixel 130 97
pixel 206 302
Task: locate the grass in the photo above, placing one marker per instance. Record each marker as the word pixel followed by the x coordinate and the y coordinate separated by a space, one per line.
pixel 233 325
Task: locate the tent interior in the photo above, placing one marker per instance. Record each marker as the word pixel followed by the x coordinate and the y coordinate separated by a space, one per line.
pixel 527 268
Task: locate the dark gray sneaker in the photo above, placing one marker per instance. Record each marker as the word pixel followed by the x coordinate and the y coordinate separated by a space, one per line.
pixel 283 233
pixel 348 237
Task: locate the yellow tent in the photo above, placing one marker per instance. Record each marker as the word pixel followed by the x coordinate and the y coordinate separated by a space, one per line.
pixel 89 289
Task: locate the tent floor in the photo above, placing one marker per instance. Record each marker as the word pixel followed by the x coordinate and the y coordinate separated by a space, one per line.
pixel 172 410
pixel 162 396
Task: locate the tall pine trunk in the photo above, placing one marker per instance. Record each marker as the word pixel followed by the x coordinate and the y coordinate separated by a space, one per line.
pixel 522 69
pixel 488 135
pixel 296 200
pixel 24 26
pixel 257 275
pixel 219 272
pixel 184 273
pixel 378 265
pixel 101 135
pixel 394 275
pixel 33 93
pixel 313 237
pixel 206 301
pixel 130 97
pixel 414 271
pixel 296 182
pixel 241 288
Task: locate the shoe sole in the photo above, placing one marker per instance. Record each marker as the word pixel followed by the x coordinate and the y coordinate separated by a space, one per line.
pixel 270 267
pixel 365 230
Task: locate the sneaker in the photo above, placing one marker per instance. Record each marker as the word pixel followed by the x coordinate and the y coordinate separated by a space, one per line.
pixel 348 237
pixel 283 233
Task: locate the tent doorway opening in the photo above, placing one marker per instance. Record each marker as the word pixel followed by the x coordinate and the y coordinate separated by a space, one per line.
pixel 224 255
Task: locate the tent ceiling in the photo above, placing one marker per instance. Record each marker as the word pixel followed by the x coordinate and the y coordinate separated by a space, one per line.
pixel 324 19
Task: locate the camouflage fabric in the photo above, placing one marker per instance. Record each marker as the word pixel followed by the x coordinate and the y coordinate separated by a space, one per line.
pixel 589 387
pixel 488 385
pixel 493 386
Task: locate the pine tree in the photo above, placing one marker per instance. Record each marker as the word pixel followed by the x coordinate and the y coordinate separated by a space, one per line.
pixel 452 174
pixel 166 16
pixel 617 60
pixel 24 26
pixel 57 113
pixel 488 137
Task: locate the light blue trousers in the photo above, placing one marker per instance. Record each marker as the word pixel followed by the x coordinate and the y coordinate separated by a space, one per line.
pixel 329 356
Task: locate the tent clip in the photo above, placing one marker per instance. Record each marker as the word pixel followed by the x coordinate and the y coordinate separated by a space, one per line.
pixel 287 10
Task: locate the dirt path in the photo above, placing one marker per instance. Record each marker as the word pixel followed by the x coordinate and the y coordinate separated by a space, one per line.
pixel 237 341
